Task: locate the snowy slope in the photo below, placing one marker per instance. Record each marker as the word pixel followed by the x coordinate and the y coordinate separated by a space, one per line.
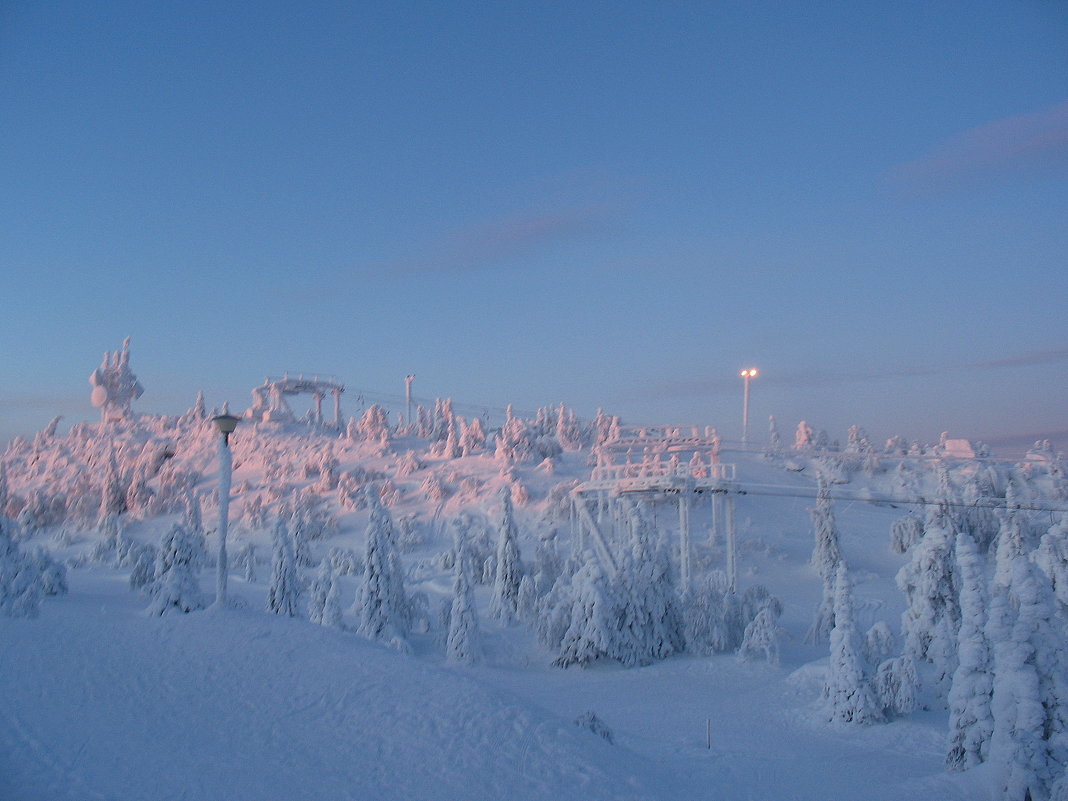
pixel 101 702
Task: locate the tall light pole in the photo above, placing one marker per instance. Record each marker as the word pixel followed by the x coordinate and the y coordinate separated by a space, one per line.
pixel 747 374
pixel 408 379
pixel 225 423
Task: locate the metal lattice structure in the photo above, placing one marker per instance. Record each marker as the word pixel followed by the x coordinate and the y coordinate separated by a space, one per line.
pixel 659 474
pixel 269 399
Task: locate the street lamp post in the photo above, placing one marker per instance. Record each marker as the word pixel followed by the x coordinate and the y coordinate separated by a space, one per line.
pixel 408 379
pixel 747 374
pixel 225 423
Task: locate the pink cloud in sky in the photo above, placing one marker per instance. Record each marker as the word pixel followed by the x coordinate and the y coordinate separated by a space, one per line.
pixel 1025 141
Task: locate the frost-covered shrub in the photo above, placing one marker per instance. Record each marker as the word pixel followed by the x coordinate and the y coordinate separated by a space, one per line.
pixel 879 643
pixel 588 720
pixel 21 585
pixel 53 572
pixel 762 635
pixel 434 489
pixel 175 586
pixel 894 685
pixel 143 567
pixel 345 562
pixel 712 617
pixel 324 602
pixel 905 531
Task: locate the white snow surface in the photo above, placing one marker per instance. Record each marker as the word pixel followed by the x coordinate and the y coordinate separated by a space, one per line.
pixel 103 702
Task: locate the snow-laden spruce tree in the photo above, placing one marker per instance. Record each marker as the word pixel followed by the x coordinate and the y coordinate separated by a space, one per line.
pixel 324 603
pixel 593 625
pixel 774 438
pixel 905 532
pixel 381 607
pixel 970 721
pixel 1028 741
pixel 1009 545
pixel 804 437
pixel 930 622
pixel 895 685
pixel 21 586
pixel 283 597
pixel 1052 557
pixel 713 618
pixel 762 635
pixel 826 556
pixel 847 690
pixel 504 603
pixel 472 437
pixel 650 623
pixel 464 643
pixel 175 587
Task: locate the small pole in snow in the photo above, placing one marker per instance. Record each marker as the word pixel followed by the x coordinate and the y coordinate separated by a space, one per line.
pixel 708 733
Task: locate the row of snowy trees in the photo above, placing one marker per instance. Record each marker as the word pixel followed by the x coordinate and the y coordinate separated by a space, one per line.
pixel 984 631
pixel 582 612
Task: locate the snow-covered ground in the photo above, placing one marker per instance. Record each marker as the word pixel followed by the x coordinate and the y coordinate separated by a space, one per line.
pixel 100 700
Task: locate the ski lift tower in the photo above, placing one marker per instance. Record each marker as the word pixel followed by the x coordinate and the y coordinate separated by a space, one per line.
pixel 662 472
pixel 269 399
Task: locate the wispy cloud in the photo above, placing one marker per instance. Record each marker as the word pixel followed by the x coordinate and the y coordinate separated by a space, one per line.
pixel 502 241
pixel 1024 141
pixel 698 386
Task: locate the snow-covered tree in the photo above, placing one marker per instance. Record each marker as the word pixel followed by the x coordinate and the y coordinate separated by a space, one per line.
pixel 847 690
pixel 774 438
pixel 175 587
pixel 592 628
pixel 826 553
pixel 650 623
pixel 762 635
pixel 324 605
pixel 1009 545
pixel 504 602
pixel 1052 557
pixel 1028 741
pixel 905 531
pixel 804 438
pixel 894 686
pixel 248 563
pixel 930 622
pixel 381 606
pixel 879 643
pixel 53 573
pixel 463 645
pixel 712 616
pixel 283 597
pixel 472 437
pixel 21 584
pixel 970 721
pixel 826 556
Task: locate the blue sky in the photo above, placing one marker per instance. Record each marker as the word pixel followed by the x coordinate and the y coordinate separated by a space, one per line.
pixel 606 204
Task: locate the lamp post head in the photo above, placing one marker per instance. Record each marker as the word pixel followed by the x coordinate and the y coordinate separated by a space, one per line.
pixel 226 423
pixel 749 372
